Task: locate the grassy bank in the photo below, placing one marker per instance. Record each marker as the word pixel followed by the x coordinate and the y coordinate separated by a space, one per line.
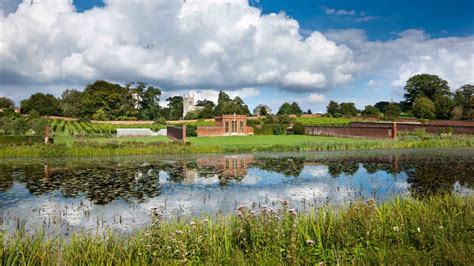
pixel 222 145
pixel 437 230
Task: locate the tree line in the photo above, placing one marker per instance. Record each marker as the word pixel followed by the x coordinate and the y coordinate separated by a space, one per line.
pixel 426 97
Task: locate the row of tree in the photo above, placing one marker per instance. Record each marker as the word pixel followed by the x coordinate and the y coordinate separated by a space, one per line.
pixel 426 96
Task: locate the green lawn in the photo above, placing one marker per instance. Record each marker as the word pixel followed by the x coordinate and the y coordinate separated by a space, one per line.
pixel 270 140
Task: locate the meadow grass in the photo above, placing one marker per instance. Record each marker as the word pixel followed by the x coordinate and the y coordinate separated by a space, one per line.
pixel 156 145
pixel 435 230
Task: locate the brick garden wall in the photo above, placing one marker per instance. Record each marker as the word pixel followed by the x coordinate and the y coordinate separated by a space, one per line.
pixel 380 131
pixel 210 131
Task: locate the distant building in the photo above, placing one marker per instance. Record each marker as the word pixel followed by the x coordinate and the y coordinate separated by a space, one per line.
pixel 227 125
pixel 258 109
pixel 188 104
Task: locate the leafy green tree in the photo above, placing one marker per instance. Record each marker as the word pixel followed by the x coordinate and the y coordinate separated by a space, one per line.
pixel 290 109
pixel 6 103
pixel 207 111
pixel 146 100
pixel 309 112
pixel 392 111
pixel 424 108
pixel 370 110
pixel 348 109
pixel 72 103
pixel 263 111
pixel 298 128
pixel 115 100
pixel 226 105
pixel 443 105
pixel 381 106
pixel 100 115
pixel 175 108
pixel 456 113
pixel 464 97
pixel 44 104
pixel 333 109
pixel 425 85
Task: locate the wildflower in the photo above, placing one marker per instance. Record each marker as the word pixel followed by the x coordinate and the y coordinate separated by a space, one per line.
pixel 292 212
pixel 310 242
pixel 192 223
pixel 284 202
pixel 441 227
pixel 179 232
pixel 241 207
pixel 418 229
pixel 396 229
pixel 206 220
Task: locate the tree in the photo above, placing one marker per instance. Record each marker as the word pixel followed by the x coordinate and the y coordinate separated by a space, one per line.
pixel 207 111
pixel 44 104
pixel 443 105
pixel 226 105
pixel 6 103
pixel 348 109
pixel 309 112
pixel 263 111
pixel 146 100
pixel 333 109
pixel 464 97
pixel 425 85
pixel 72 103
pixel 175 108
pixel 424 108
pixel 392 111
pixel 381 106
pixel 370 110
pixel 290 109
pixel 116 101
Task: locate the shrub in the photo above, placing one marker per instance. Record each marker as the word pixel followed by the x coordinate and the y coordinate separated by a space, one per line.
pixel 298 128
pixel 424 108
pixel 191 130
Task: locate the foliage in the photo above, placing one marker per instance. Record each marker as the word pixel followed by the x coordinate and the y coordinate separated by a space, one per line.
pixel 44 104
pixel 333 109
pixel 323 121
pixel 226 105
pixel 207 111
pixel 404 231
pixel 464 97
pixel 424 108
pixel 290 109
pixel 370 110
pixel 443 106
pixel 146 100
pixel 456 112
pixel 392 111
pixel 6 103
pixel 72 103
pixel 348 109
pixel 22 125
pixel 191 131
pixel 298 128
pixel 425 85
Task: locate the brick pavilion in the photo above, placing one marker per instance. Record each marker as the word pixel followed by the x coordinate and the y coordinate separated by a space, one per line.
pixel 227 125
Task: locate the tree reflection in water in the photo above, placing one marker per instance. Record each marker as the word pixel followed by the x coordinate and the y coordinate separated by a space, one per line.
pixel 103 184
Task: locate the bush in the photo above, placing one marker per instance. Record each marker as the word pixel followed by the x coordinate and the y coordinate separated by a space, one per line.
pixel 298 128
pixel 424 108
pixel 264 130
pixel 191 131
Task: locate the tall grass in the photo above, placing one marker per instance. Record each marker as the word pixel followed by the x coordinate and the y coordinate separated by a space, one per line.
pixel 437 230
pixel 140 148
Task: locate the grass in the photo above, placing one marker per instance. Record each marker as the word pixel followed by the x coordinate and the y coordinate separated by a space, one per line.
pixel 436 230
pixel 324 121
pixel 67 146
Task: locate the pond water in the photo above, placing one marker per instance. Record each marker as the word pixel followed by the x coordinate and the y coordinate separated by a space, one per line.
pixel 121 193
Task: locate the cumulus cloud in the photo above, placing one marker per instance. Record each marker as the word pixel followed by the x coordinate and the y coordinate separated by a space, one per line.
pixel 173 44
pixel 316 98
pixel 411 52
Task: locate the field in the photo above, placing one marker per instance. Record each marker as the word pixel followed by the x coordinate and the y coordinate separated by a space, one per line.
pixel 323 121
pixel 81 128
pixel 406 231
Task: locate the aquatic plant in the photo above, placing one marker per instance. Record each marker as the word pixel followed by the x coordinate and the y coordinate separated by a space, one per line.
pixel 435 230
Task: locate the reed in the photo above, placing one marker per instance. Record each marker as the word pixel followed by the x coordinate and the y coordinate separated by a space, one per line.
pixel 87 149
pixel 435 230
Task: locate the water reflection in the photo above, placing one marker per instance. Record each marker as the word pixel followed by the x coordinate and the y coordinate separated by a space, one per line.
pixel 120 192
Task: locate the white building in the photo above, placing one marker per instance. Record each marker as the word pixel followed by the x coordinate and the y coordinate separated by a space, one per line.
pixel 188 104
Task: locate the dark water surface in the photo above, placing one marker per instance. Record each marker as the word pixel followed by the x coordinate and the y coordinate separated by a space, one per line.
pixel 120 193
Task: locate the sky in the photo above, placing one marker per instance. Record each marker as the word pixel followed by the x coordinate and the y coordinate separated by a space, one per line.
pixel 265 51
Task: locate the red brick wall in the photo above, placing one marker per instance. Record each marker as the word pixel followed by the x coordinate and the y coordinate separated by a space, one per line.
pixel 348 131
pixel 210 131
pixel 435 128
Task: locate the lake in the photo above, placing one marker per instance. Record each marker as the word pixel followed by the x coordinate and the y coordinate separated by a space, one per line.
pixel 124 193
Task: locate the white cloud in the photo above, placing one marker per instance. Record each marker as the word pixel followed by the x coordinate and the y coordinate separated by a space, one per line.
pixel 316 98
pixel 173 44
pixel 411 52
pixel 339 12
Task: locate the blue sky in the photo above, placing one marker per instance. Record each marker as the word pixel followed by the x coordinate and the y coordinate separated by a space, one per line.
pixel 358 51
